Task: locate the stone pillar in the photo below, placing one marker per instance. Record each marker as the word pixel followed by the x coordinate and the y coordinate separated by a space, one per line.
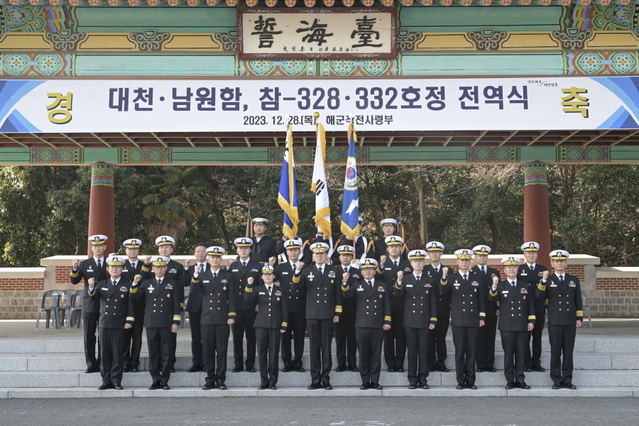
pixel 536 211
pixel 102 205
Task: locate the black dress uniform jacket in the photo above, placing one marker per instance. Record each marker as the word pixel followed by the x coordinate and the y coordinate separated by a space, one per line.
pixel 533 277
pixel 486 284
pixel 272 312
pixel 516 306
pixel 443 297
pixel 218 300
pixel 89 269
pixel 323 293
pixel 373 303
pixel 389 275
pixel 239 276
pixel 116 303
pixel 264 249
pixel 378 248
pixel 162 302
pixel 468 307
pixel 564 299
pixel 362 248
pixel 141 268
pixel 295 299
pixel 195 295
pixel 420 301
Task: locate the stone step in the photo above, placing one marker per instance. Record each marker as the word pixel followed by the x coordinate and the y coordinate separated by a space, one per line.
pixel 75 361
pixel 75 345
pixel 581 378
pixel 282 391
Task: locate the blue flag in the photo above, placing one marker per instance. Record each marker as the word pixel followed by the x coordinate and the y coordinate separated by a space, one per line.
pixel 350 206
pixel 287 196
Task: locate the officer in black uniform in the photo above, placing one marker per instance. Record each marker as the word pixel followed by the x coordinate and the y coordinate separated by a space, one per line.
pixel 517 318
pixel 270 323
pixel 562 292
pixel 323 308
pixel 361 245
pixel 438 352
pixel 531 272
pixel 468 313
pixel 94 267
pixel 373 318
pixel 378 248
pixel 194 305
pixel 345 337
pixel 487 333
pixel 263 249
pixel 132 267
pixel 174 271
pixel 218 313
pixel 161 319
pixel 307 253
pixel 395 338
pixel 240 270
pixel 416 289
pixel 116 317
pixel 296 307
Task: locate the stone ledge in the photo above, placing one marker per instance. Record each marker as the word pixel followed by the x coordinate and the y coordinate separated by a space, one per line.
pixel 25 273
pixel 618 272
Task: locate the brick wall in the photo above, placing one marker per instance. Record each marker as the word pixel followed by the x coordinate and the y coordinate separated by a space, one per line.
pixel 21 292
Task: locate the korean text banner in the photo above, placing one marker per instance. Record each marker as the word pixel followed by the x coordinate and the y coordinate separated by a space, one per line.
pixel 257 105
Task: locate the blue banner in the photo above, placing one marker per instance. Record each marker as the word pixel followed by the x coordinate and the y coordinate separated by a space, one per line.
pixel 350 206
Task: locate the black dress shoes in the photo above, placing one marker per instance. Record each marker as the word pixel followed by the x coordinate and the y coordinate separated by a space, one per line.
pixel 313 386
pixel 340 369
pixel 479 370
pixel 135 370
pixel 522 385
pixel 173 370
pixel 105 386
pixel 425 386
pixel 509 385
pixel 527 369
pixel 444 369
pixel 128 369
pixel 300 370
pixel 460 386
pixel 364 386
pixel 472 387
pixel 221 386
pixel 155 386
pixel 285 370
pixel 376 386
pixel 400 370
pixel 491 370
pixel 260 387
pixel 236 370
pixel 166 387
pixel 195 368
pixel 273 387
pixel 209 386
pixel 539 369
pixel 250 370
pixel 92 370
pixel 391 370
pixel 570 386
pixel 118 387
pixel 556 386
pixel 411 386
pixel 353 368
pixel 328 386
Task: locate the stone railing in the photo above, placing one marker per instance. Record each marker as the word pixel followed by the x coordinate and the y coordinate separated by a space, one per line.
pixel 610 292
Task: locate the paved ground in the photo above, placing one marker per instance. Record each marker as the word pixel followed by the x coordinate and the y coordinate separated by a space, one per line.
pixel 324 411
pixel 25 329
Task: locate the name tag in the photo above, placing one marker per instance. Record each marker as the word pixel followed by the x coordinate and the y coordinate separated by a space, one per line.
pixel 408 285
pixel 388 269
pixel 360 289
pixel 104 289
pixel 262 293
pixel 553 285
pixel 524 274
pixel 89 270
pixel 205 281
pixel 235 270
pixel 284 273
pixel 504 292
pixel 125 270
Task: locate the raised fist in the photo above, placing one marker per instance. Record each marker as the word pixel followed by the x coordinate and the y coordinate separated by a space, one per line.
pixel 91 282
pixel 345 277
pixel 272 260
pixel 544 275
pixel 300 266
pixel 75 263
pixel 382 259
pixel 250 280
pixel 137 278
pixel 400 275
pixel 444 271
pixel 187 263
pixel 495 281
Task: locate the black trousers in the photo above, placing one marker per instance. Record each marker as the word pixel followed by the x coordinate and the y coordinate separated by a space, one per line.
pixel 534 360
pixel 369 344
pixel 345 341
pixel 562 345
pixel 112 354
pixel 215 341
pixel 486 343
pixel 295 333
pixel 438 352
pixel 268 343
pixel 514 344
pixel 133 344
pixel 196 336
pixel 320 334
pixel 244 326
pixel 465 340
pixel 159 340
pixel 395 341
pixel 417 341
pixel 91 322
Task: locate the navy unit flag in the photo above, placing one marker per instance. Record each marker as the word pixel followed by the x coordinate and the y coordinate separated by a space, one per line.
pixel 287 196
pixel 350 207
